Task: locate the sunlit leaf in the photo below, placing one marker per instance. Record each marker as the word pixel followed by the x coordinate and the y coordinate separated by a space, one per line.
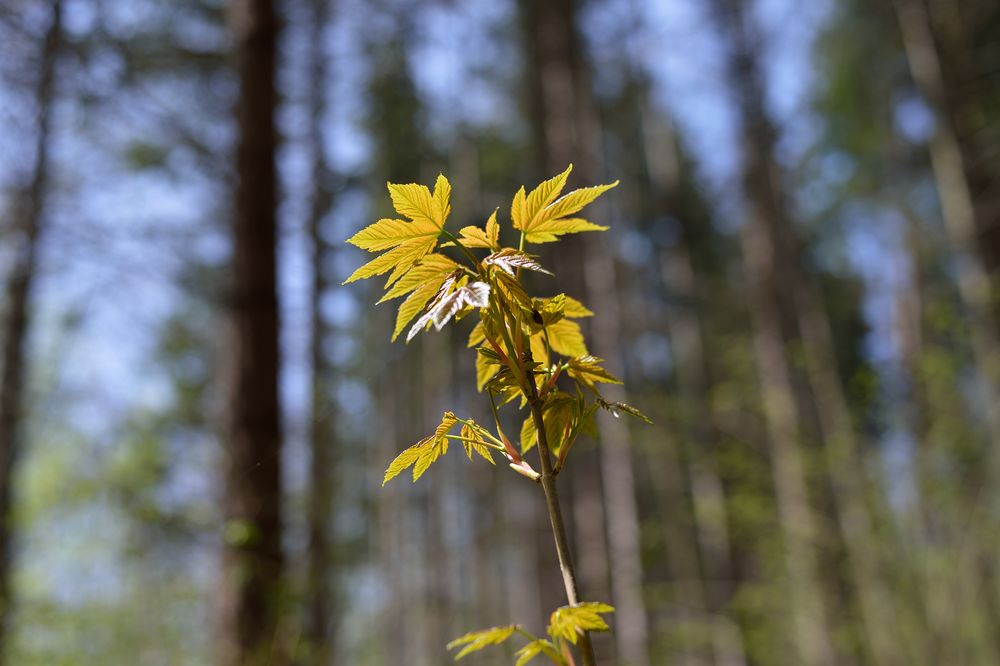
pixel 510 259
pixel 616 407
pixel 485 369
pixel 542 196
pixel 535 648
pixel 419 456
pixel 478 445
pixel 569 622
pixel 399 258
pixel 417 300
pixel 550 230
pixel 566 338
pixel 429 268
pixel 588 371
pixel 570 203
pixel 447 304
pixel 388 233
pixel 477 640
pixel 416 202
pixel 529 436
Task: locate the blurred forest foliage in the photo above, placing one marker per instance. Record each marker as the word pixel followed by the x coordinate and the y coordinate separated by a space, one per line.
pixel 801 286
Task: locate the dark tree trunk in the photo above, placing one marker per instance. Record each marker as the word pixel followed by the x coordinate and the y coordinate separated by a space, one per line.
pixel 249 600
pixel 28 218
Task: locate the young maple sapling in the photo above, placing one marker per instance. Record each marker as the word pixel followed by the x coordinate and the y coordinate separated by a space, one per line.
pixel 524 346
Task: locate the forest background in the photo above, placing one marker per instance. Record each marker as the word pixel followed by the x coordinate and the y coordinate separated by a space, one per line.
pixel 800 287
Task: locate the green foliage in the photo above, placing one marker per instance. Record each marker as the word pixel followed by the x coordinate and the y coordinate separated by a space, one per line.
pixel 566 624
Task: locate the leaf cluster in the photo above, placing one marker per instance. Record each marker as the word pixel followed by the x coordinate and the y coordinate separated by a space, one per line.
pixel 566 625
pixel 524 344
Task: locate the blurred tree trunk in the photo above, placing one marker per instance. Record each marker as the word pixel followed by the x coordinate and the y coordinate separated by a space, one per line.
pixel 29 221
pixel 972 217
pixel 669 191
pixel 319 629
pixel 789 315
pixel 249 601
pixel 567 131
pixel 773 266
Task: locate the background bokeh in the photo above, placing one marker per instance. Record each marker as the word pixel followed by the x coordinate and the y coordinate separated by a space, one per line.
pixel 800 286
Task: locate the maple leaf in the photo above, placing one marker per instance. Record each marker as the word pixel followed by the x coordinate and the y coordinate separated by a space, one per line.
pixel 543 218
pixel 477 640
pixel 535 648
pixel 570 622
pixel 473 236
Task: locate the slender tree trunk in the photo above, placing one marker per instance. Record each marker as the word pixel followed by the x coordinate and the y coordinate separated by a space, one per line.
pixel 567 132
pixel 319 626
pixel 249 600
pixel 29 220
pixel 964 223
pixel 770 256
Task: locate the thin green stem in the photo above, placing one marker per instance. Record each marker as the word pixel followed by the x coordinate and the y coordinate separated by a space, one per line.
pixel 548 482
pixel 468 253
pixel 459 438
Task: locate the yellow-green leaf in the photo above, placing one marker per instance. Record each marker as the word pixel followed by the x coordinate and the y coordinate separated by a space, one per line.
pixel 400 258
pixel 431 267
pixel 478 444
pixel 535 648
pixel 442 198
pixel 550 230
pixel 447 421
pixel 569 622
pixel 571 203
pixel 437 448
pixel 588 371
pixel 616 407
pixel 477 640
pixel 387 233
pixel 518 210
pixel 416 301
pixel 566 338
pixel 576 309
pixel 529 437
pixel 477 334
pixel 407 458
pixel 415 202
pixel 485 369
pixel 493 230
pixel 542 196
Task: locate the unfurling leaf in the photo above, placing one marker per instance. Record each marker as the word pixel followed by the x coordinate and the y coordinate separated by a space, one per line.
pixel 477 640
pixel 510 259
pixel 570 622
pixel 616 407
pixel 447 421
pixel 478 444
pixel 418 300
pixel 447 304
pixel 588 371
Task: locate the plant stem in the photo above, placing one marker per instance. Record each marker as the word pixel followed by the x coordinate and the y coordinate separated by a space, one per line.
pixel 555 515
